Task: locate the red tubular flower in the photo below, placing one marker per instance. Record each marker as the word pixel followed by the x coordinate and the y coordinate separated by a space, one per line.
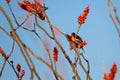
pixel 41 16
pixel 86 11
pixel 18 67
pixel 81 18
pixel 82 44
pixel 113 69
pixel 27 3
pixel 24 7
pixel 111 75
pixel 22 74
pixel 55 54
pixel 36 6
pixel 3 54
pixel 8 1
pixel 106 76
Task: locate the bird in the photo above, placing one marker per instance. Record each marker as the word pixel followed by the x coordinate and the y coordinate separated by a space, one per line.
pixel 77 40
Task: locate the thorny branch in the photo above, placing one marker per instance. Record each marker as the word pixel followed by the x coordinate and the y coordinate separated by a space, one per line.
pixel 44 31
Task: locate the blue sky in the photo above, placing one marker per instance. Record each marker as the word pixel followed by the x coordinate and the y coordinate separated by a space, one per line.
pixel 98 30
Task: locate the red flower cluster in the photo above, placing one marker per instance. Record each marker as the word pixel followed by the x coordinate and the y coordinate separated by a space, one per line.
pixel 33 7
pixel 20 73
pixel 55 54
pixel 111 75
pixel 18 67
pixel 3 54
pixel 81 18
pixel 75 41
pixel 8 1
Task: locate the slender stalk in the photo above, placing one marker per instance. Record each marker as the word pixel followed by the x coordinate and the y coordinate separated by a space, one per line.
pixel 79 26
pixel 112 18
pixel 86 72
pixel 12 66
pixel 115 12
pixel 3 66
pixel 40 27
pixel 19 25
pixel 1 28
pixel 12 48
